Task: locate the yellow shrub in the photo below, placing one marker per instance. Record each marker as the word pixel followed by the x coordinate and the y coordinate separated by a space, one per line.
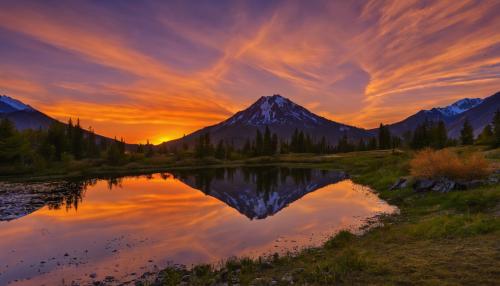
pixel 444 163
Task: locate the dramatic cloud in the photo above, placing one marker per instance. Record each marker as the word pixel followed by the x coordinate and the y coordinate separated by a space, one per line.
pixel 157 70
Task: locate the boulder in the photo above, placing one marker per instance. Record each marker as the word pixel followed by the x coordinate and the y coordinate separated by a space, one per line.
pixel 493 180
pixel 423 185
pixel 443 186
pixel 399 184
pixel 474 184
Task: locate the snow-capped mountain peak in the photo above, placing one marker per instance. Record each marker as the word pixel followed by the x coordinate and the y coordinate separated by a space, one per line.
pixel 273 110
pixel 13 104
pixel 459 106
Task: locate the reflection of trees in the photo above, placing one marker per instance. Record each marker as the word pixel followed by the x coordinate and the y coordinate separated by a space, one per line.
pixel 114 182
pixel 254 191
pixel 202 177
pixel 266 179
pixel 69 194
pixel 165 176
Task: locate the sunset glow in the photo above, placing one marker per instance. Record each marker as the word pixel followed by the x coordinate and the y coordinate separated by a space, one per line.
pixel 158 70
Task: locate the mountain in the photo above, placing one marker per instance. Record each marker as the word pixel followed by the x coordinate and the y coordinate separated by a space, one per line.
pixel 459 107
pixel 9 104
pixel 281 115
pixel 23 116
pixel 448 114
pixel 26 117
pixel 479 116
pixel 258 192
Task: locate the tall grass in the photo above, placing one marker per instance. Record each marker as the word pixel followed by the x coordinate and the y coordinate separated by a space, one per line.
pixel 430 163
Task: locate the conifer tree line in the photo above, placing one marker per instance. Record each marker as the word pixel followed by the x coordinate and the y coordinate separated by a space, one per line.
pixel 427 134
pixel 58 142
pixel 435 135
pixel 268 143
pixel 66 142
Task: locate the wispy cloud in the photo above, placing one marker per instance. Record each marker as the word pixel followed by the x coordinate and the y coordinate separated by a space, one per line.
pixel 182 66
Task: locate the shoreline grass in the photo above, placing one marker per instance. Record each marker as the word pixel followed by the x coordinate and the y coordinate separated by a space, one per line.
pixel 437 239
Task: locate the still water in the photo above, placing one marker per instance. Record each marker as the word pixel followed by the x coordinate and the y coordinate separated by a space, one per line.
pixel 123 227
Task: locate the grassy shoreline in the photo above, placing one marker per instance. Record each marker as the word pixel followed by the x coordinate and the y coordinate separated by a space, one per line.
pixel 89 169
pixel 437 239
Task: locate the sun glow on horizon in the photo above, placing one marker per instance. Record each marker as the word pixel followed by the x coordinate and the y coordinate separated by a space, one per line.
pixel 164 138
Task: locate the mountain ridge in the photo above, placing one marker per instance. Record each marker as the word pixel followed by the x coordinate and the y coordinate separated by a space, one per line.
pixel 26 117
pixel 452 115
pixel 281 115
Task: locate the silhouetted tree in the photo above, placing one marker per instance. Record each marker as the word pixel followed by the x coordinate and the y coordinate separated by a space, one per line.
pixel 77 140
pixel 496 129
pixel 440 135
pixel 466 134
pixel 486 136
pixel 220 150
pixel 384 137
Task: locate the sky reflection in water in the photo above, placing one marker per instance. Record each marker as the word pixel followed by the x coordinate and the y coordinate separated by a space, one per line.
pixel 153 220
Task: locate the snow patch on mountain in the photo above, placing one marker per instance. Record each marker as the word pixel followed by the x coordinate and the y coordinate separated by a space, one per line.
pixel 14 103
pixel 274 110
pixel 459 107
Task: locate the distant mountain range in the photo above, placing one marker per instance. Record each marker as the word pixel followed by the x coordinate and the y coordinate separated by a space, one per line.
pixel 283 116
pixel 26 117
pixel 23 116
pixel 479 112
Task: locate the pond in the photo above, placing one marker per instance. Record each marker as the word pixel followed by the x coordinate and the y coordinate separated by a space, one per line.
pixel 117 229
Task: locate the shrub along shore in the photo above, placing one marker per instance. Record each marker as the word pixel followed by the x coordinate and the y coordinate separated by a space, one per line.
pixel 437 239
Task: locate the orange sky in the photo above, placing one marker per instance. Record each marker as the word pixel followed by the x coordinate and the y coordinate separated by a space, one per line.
pixel 157 70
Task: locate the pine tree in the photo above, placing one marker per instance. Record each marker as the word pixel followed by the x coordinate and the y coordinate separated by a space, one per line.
pixel 284 147
pixel 77 140
pixel 440 135
pixel 422 136
pixel 466 134
pixel 322 147
pixel 267 144
pixel 361 145
pixel 259 143
pixel 372 143
pixel 91 147
pixel 56 137
pixel 7 128
pixel 220 152
pixel 13 146
pixel 113 154
pixel 384 137
pixel 274 144
pixel 247 148
pixel 300 142
pixel 496 129
pixel 486 136
pixel 149 149
pixel 294 143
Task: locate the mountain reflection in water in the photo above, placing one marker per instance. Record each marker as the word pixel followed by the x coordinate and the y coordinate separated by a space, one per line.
pixel 258 192
pixel 126 226
pixel 255 192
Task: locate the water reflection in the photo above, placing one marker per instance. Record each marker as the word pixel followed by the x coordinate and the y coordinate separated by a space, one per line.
pixel 124 227
pixel 18 200
pixel 258 192
pixel 255 192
